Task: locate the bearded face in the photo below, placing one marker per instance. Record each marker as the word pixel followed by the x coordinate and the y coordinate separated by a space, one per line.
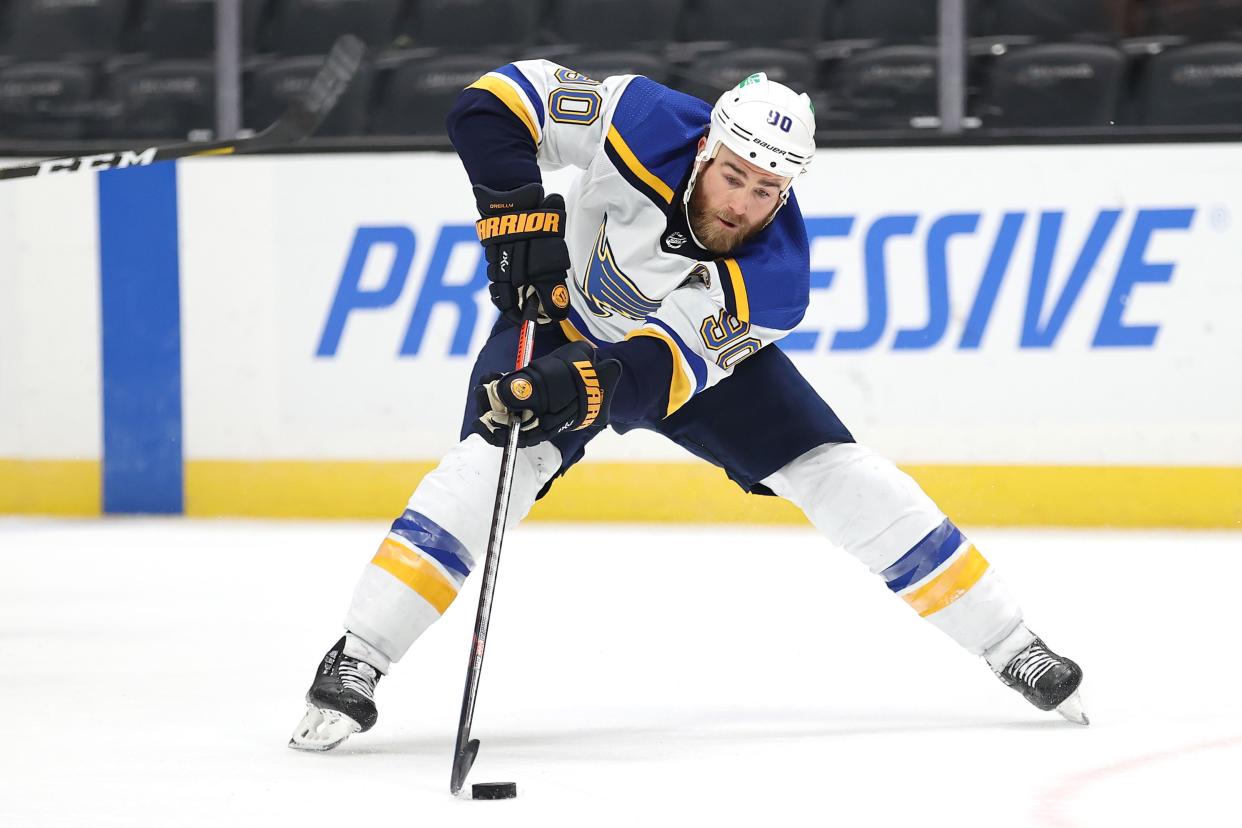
pixel 731 202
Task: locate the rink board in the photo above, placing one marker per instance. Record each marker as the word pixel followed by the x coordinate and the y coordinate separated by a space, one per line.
pixel 1042 336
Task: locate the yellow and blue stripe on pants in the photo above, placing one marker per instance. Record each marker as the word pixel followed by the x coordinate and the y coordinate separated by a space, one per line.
pixel 940 569
pixel 426 558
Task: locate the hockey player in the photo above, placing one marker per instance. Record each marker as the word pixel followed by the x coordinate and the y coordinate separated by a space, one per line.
pixel 675 261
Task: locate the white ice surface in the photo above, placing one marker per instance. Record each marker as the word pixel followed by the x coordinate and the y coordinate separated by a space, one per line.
pixel 152 670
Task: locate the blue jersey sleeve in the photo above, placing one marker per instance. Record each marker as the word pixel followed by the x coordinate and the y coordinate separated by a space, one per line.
pixel 496 148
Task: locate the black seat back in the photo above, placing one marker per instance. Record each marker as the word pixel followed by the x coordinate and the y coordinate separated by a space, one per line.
pixel 1194 18
pixel 309 27
pixel 1058 19
pixel 187 28
pixel 708 77
pixel 43 100
pixel 885 88
pixel 616 23
pixel 273 87
pixel 39 30
pixel 1193 86
pixel 454 24
pixel 758 24
pixel 1054 85
pixel 418 95
pixel 164 99
pixel 888 20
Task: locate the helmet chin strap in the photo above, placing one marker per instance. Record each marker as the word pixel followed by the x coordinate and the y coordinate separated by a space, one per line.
pixel 700 161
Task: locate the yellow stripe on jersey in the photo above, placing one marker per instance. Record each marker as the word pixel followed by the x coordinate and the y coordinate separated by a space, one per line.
pixel 417 573
pixel 510 98
pixel 571 333
pixel 951 584
pixel 739 290
pixel 623 149
pixel 679 386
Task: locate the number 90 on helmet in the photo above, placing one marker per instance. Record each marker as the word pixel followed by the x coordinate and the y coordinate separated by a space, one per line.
pixel 766 124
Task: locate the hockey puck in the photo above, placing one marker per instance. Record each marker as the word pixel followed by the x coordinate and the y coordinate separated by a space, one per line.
pixel 493 790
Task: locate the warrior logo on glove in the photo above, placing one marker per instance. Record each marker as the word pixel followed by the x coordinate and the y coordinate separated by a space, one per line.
pixel 523 234
pixel 567 390
pixel 594 394
pixel 512 224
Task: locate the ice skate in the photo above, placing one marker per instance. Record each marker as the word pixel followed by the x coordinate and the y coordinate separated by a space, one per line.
pixel 1046 680
pixel 340 702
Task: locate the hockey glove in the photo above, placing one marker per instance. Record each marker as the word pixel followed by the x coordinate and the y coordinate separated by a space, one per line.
pixel 563 391
pixel 523 234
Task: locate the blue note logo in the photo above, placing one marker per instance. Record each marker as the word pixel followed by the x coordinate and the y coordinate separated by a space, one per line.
pixel 608 289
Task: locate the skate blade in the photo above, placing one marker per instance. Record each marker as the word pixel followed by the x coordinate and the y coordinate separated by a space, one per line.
pixel 322 729
pixel 1072 709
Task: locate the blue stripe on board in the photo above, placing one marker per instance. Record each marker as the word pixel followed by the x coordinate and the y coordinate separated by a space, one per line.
pixel 515 74
pixel 140 297
pixel 933 550
pixel 433 539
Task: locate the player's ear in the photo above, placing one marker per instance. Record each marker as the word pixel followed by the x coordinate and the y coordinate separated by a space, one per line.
pixel 702 143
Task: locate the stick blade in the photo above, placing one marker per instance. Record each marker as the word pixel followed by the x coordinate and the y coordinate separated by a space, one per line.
pixel 462 763
pixel 327 87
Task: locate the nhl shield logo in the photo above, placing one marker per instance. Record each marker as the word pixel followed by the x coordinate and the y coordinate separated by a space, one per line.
pixel 675 240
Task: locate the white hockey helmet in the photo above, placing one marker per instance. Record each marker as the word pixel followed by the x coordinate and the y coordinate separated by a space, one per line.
pixel 767 124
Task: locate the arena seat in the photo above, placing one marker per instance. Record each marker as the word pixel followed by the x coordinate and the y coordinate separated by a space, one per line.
pixel 309 27
pixel 1194 85
pixel 83 28
pixel 885 88
pixel 1057 19
pixel 187 28
pixel 274 86
pixel 1194 18
pixel 419 94
pixel 37 100
pixel 888 20
pixel 708 76
pixel 617 23
pixel 456 24
pixel 600 65
pixel 1054 85
pixel 164 99
pixel 757 24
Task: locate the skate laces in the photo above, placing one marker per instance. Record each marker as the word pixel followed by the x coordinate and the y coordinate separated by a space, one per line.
pixel 358 676
pixel 1030 665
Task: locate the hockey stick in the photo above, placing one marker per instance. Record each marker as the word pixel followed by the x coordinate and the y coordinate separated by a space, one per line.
pixel 467 749
pixel 301 119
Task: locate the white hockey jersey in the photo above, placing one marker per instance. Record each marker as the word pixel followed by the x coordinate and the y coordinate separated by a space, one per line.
pixel 636 268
